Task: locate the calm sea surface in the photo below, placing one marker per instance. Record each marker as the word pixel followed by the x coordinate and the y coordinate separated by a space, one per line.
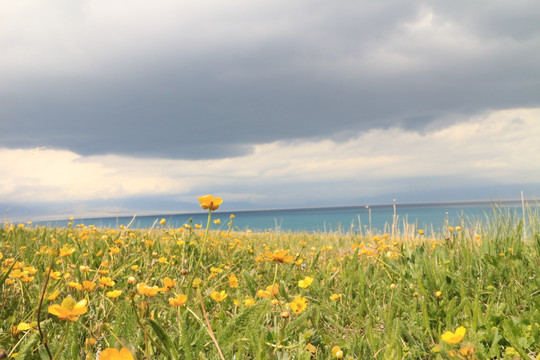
pixel 356 218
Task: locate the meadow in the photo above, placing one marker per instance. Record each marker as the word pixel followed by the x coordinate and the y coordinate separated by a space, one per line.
pixel 209 291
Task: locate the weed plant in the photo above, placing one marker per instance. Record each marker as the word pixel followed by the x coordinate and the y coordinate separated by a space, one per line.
pixel 215 293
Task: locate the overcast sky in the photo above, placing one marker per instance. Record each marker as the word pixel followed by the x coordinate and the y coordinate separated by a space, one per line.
pixel 143 106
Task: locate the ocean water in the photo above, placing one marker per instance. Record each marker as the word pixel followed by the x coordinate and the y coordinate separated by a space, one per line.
pixel 431 217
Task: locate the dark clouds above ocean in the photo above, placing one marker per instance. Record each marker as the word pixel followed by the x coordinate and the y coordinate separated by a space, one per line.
pixel 212 79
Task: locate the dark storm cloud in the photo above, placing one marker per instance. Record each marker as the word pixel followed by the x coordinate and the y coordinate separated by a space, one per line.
pixel 333 70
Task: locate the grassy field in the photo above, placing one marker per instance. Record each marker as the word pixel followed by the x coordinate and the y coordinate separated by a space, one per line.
pixel 205 291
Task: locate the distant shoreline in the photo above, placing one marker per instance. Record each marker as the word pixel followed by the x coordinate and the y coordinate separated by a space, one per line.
pixel 458 203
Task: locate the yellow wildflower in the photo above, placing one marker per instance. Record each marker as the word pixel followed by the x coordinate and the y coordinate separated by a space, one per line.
pixel 233 281
pixel 248 301
pixel 106 281
pixel 454 337
pixel 279 256
pixel 114 354
pixel 53 295
pixel 25 326
pixel 305 282
pixel 179 300
pixel 269 292
pixel 218 296
pixel 75 285
pixel 69 310
pixel 114 293
pixel 312 349
pixel 298 305
pixel 65 251
pixel 88 285
pixel 337 352
pixel 168 283
pixel 144 289
pixel 210 202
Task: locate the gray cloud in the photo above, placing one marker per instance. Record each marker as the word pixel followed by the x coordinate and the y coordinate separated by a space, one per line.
pixel 301 71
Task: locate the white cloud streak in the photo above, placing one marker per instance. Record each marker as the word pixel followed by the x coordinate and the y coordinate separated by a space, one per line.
pixel 500 147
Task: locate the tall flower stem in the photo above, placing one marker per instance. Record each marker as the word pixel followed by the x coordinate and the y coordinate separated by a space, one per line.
pixel 209 327
pixel 42 337
pixel 271 292
pixel 64 339
pixel 203 247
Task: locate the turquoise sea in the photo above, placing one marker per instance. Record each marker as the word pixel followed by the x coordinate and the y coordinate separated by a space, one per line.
pixel 431 217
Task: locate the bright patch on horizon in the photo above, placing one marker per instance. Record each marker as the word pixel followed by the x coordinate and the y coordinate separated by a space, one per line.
pixel 500 146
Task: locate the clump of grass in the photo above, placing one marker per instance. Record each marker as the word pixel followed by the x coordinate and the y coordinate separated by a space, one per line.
pixel 274 296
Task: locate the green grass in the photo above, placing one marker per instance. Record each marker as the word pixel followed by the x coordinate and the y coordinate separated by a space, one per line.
pixel 398 295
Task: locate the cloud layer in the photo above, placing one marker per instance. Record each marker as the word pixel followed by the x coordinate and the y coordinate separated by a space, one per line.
pixel 211 80
pixel 495 149
pixel 269 103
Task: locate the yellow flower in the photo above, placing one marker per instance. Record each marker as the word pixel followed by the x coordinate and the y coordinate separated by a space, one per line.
pixel 306 282
pixel 69 309
pixel 114 354
pixel 162 222
pixel 335 297
pixel 337 352
pixel 179 300
pixel 269 292
pixel 88 285
pixel 75 285
pixel 233 281
pixel 53 296
pixel 169 283
pixel 210 202
pixel 454 337
pixel 65 251
pixel 298 305
pixel 312 349
pixel 25 326
pixel 27 279
pixel 114 294
pixel 30 269
pixel 15 274
pixel 56 275
pixel 249 301
pixel 218 296
pixel 279 256
pixel 468 351
pixel 106 281
pixel 144 289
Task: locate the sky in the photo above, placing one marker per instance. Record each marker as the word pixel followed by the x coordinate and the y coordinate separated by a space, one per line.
pixel 111 108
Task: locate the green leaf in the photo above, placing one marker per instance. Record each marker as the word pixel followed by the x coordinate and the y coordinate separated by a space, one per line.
pixel 164 338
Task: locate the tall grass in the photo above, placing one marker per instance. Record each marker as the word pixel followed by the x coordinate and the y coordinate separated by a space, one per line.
pixel 374 295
